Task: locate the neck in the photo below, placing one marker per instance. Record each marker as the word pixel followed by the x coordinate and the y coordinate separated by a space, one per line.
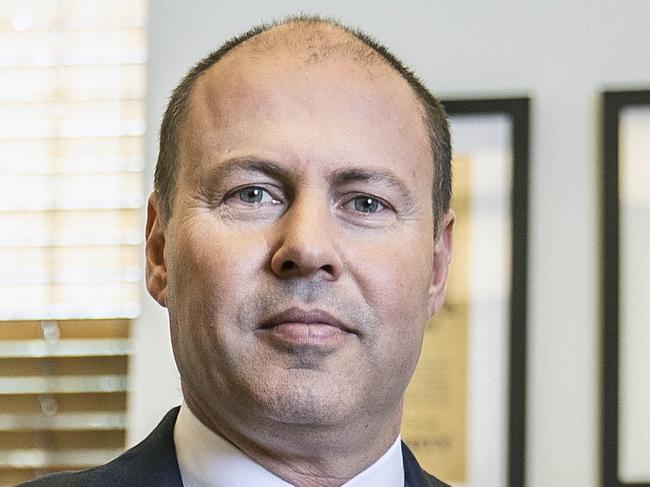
pixel 305 455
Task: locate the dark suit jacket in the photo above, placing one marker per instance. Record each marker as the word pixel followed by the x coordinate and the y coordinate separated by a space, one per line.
pixel 153 463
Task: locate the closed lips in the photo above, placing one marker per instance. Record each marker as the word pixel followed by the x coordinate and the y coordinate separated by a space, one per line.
pixel 315 317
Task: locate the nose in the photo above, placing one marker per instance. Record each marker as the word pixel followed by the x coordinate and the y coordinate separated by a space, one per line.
pixel 306 244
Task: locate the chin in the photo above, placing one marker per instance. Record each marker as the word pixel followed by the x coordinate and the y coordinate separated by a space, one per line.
pixel 309 403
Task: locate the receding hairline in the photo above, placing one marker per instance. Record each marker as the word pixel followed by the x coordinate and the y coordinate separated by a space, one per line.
pixel 325 41
pixel 314 39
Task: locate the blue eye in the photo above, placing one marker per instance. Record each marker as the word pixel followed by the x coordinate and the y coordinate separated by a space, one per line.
pixel 251 195
pixel 366 204
pixel 254 195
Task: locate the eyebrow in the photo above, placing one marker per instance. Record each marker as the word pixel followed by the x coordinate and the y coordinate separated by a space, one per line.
pixel 371 176
pixel 244 165
pixel 338 177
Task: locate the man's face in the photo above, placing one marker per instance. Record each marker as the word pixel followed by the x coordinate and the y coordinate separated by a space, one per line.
pixel 299 258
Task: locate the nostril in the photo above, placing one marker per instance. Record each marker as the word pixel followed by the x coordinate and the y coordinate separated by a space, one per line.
pixel 288 265
pixel 329 269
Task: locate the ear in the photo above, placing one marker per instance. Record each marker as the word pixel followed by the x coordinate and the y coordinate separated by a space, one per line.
pixel 441 259
pixel 155 251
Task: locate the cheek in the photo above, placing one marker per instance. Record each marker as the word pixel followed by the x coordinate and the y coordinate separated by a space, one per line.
pixel 394 275
pixel 211 276
pixel 214 263
pixel 394 281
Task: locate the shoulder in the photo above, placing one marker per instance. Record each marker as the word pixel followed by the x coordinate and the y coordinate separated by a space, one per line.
pixel 64 479
pixel 151 462
pixel 415 476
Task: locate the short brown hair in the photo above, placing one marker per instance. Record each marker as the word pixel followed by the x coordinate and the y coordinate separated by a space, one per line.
pixel 166 174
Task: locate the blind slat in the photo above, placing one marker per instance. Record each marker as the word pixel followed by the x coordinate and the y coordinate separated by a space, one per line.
pixel 34 14
pixel 33 458
pixel 62 422
pixel 72 122
pixel 64 348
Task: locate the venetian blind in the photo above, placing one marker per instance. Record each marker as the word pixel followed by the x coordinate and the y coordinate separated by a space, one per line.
pixel 72 126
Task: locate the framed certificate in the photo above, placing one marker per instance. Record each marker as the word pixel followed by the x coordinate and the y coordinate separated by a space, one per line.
pixel 465 409
pixel 626 289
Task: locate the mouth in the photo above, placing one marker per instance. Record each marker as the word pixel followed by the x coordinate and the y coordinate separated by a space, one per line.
pixel 295 327
pixel 312 317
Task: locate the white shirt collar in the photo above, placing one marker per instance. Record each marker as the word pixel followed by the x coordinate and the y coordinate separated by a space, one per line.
pixel 205 459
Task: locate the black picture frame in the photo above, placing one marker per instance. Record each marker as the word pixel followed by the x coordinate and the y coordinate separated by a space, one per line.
pixel 518 111
pixel 613 104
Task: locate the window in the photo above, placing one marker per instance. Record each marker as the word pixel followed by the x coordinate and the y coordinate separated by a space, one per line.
pixel 72 125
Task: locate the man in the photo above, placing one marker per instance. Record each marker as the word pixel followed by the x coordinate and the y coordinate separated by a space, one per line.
pixel 299 235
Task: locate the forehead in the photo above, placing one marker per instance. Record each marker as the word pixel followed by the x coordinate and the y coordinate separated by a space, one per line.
pixel 290 105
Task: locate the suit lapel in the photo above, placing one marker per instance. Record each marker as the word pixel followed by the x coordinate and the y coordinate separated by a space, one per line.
pixel 151 462
pixel 414 476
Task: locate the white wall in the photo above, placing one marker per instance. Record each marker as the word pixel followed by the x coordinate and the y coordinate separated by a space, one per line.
pixel 559 52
